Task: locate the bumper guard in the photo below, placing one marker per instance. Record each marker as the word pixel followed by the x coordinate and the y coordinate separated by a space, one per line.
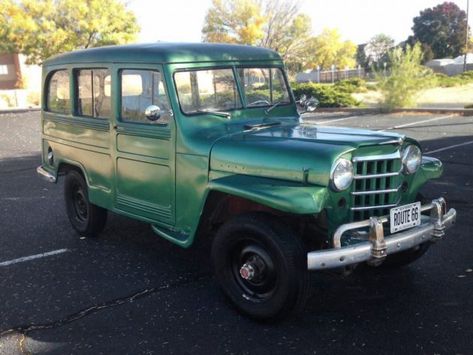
pixel 45 175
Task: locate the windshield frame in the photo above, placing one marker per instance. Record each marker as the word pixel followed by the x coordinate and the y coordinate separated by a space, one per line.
pixel 239 87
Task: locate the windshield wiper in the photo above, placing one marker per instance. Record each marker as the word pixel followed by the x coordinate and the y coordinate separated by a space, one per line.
pixel 216 113
pixel 273 106
pixel 260 125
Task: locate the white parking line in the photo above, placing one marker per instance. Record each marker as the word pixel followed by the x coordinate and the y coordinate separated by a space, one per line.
pixel 33 257
pixel 417 122
pixel 449 147
pixel 331 120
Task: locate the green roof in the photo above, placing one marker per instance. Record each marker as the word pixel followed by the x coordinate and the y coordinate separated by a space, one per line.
pixel 166 53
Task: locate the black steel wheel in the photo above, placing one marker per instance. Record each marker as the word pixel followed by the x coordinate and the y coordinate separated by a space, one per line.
pixel 261 266
pixel 86 218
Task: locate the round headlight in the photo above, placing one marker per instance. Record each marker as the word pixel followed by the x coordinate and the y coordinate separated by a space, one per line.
pixel 342 174
pixel 411 159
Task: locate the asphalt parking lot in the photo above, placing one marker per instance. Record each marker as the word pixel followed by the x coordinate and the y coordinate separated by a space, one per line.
pixel 132 292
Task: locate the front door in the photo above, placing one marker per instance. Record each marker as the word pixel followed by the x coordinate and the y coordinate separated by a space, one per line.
pixel 144 155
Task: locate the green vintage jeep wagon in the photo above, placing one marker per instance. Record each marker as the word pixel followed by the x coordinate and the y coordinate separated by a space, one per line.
pixel 205 140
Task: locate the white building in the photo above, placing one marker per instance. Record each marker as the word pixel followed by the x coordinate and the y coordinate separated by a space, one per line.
pixel 451 66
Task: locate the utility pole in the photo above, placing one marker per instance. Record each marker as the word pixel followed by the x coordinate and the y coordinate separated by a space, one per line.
pixel 467 34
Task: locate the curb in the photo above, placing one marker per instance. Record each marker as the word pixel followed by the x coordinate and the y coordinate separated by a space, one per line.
pixel 20 110
pixel 370 111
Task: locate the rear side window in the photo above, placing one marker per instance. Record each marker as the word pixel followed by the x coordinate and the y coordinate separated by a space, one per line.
pixel 93 93
pixel 140 89
pixel 58 92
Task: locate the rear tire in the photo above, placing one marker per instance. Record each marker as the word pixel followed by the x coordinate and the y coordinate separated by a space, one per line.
pixel 86 218
pixel 261 266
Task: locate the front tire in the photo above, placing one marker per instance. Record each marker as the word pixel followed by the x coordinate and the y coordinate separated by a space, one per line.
pixel 261 266
pixel 86 218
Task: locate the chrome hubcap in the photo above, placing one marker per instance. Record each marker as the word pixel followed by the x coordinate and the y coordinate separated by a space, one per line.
pixel 247 271
pixel 253 270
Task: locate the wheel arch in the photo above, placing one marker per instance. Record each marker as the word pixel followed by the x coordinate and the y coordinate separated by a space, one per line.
pixel 65 166
pixel 226 198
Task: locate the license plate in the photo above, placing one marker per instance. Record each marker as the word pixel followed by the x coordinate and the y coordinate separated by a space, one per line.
pixel 404 217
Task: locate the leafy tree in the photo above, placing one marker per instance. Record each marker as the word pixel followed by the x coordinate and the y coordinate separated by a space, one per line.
pixel 441 30
pixel 234 22
pixel 42 28
pixel 329 49
pixel 377 48
pixel 408 77
pixel 274 24
pixel 361 57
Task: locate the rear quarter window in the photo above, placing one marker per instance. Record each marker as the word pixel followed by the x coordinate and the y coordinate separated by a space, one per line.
pixel 58 92
pixel 93 93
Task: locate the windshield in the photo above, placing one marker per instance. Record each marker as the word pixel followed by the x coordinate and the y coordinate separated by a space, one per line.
pixel 207 90
pixel 263 86
pixel 215 90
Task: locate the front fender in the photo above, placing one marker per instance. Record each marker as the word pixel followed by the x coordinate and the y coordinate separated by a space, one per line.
pixel 291 197
pixel 431 168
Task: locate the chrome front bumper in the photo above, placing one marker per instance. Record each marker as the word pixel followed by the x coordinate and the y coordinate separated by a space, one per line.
pixel 45 175
pixel 375 249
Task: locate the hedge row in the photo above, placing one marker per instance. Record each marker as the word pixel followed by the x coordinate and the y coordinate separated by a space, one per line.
pixel 338 95
pixel 445 81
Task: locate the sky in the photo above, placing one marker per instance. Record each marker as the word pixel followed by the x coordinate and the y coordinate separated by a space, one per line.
pixel 357 20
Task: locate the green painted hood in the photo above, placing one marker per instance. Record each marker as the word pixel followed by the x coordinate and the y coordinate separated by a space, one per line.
pixel 294 153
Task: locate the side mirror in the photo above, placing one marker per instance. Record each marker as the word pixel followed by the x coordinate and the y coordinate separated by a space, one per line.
pixel 302 99
pixel 153 113
pixel 311 104
pixel 307 104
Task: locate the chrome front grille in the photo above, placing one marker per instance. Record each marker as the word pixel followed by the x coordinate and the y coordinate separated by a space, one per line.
pixel 376 185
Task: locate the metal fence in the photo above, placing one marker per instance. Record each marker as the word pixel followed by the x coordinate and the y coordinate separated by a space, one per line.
pixel 330 76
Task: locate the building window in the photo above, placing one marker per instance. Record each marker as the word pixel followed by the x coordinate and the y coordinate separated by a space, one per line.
pixel 58 92
pixel 3 69
pixel 93 93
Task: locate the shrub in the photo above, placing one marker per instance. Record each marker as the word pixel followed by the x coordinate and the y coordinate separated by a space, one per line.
pixel 468 75
pixel 446 81
pixel 8 100
pixel 33 98
pixel 408 77
pixel 372 86
pixel 328 95
pixel 351 86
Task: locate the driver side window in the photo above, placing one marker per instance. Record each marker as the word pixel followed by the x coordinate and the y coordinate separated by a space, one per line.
pixel 140 89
